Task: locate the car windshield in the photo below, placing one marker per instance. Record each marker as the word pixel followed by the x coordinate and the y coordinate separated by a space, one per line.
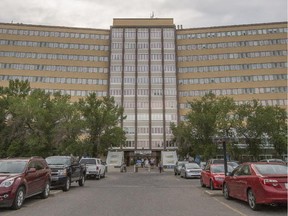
pixel 181 163
pixel 220 169
pixel 271 169
pixel 58 160
pixel 192 166
pixel 87 161
pixel 8 166
pixel 233 164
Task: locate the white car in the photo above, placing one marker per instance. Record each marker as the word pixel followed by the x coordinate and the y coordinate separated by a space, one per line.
pixel 190 170
pixel 94 167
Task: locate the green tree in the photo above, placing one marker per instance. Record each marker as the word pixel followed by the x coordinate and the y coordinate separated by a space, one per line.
pixel 209 117
pixel 256 122
pixel 100 116
pixel 276 128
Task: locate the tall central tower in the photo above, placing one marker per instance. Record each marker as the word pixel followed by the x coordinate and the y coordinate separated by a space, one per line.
pixel 143 80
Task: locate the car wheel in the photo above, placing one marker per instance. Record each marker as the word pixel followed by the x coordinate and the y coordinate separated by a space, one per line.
pixel 252 200
pixel 19 199
pixel 98 176
pixel 82 181
pixel 46 191
pixel 175 173
pixel 202 183
pixel 67 184
pixel 226 192
pixel 211 185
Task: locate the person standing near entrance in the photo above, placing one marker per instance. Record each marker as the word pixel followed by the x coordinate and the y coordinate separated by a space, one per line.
pixel 160 165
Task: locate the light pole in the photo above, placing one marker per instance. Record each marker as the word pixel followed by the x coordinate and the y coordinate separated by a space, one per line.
pixel 225 156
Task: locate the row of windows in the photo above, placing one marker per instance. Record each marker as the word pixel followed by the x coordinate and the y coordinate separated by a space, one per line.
pixel 145 57
pixel 54 34
pixel 146 104
pixel 235 91
pixel 55 80
pixel 142 45
pixel 145 143
pixel 232 56
pixel 234 79
pixel 155 92
pixel 80 93
pixel 145 117
pixel 143 68
pixel 232 44
pixel 235 67
pixel 145 130
pixel 143 80
pixel 279 102
pixel 54 56
pixel 168 33
pixel 53 68
pixel 54 45
pixel 232 33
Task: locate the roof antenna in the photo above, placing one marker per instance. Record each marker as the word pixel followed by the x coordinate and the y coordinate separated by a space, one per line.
pixel 152 15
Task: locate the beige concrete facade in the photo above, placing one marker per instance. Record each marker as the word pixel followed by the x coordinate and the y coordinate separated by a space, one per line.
pixel 249 47
pixel 245 62
pixel 63 54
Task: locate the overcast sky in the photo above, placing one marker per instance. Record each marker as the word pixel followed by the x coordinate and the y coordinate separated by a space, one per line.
pixel 100 13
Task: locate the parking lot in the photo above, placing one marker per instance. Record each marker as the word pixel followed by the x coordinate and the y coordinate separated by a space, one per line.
pixel 142 193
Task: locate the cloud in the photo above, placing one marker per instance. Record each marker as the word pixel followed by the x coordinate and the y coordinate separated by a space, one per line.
pixel 100 14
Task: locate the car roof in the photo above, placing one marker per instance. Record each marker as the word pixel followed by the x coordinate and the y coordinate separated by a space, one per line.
pixel 262 162
pixel 22 158
pixel 91 158
pixel 59 156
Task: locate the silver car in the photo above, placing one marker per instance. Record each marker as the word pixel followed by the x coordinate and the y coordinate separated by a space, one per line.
pixel 178 166
pixel 190 170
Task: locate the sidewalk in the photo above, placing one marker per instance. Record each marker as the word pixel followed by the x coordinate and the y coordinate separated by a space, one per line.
pixel 145 169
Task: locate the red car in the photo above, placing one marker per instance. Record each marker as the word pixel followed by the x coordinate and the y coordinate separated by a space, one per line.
pixel 257 183
pixel 21 178
pixel 213 176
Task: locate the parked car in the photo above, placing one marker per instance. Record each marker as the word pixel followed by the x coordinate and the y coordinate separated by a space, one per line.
pixel 65 170
pixel 190 170
pixel 21 178
pixel 178 166
pixel 203 165
pixel 233 164
pixel 94 167
pixel 272 160
pixel 257 183
pixel 213 176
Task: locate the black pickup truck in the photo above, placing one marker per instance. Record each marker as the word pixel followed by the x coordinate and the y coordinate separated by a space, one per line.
pixel 65 170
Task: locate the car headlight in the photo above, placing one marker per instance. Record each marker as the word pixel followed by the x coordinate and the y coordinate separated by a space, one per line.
pixel 7 183
pixel 62 172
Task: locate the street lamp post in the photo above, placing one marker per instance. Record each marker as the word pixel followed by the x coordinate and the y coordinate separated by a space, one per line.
pixel 225 156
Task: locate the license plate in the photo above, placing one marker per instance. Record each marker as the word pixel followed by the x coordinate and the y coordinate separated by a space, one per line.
pixel 286 185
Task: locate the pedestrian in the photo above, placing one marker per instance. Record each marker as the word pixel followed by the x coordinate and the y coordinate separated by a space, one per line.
pixel 160 167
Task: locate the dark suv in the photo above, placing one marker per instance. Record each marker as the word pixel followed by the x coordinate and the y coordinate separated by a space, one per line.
pixel 21 178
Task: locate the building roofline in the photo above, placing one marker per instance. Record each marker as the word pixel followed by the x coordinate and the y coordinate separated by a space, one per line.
pixel 229 26
pixel 51 26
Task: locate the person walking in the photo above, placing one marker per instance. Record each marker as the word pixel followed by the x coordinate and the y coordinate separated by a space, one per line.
pixel 160 167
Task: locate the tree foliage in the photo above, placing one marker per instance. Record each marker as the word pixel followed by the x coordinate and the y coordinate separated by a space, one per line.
pixel 37 123
pixel 212 119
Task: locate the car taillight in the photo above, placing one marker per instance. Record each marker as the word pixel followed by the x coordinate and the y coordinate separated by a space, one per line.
pixel 270 182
